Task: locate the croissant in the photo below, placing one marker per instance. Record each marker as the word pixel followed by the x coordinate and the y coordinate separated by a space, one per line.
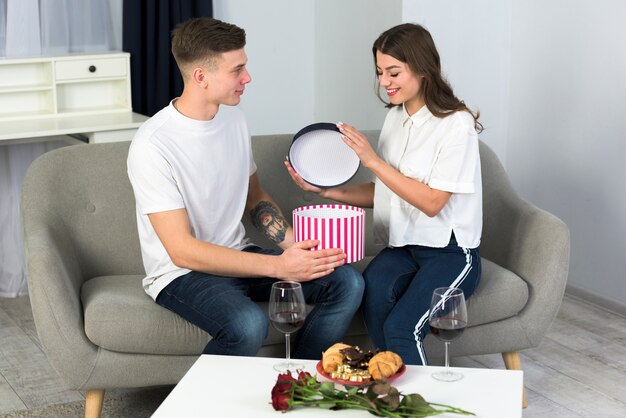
pixel 384 365
pixel 332 357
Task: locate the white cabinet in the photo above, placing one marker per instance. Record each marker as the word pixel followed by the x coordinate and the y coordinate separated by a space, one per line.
pixel 26 89
pixel 67 85
pixel 84 96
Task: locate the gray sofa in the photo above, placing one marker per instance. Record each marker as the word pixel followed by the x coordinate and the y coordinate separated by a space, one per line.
pixel 100 330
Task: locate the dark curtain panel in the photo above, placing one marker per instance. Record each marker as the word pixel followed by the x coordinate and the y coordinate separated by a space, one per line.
pixel 155 79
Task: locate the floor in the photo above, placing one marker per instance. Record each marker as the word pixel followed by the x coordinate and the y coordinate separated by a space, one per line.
pixel 579 370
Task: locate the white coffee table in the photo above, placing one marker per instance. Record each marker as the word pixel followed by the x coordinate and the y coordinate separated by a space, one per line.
pixel 230 386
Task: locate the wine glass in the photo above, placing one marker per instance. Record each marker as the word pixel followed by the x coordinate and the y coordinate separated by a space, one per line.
pixel 447 320
pixel 287 310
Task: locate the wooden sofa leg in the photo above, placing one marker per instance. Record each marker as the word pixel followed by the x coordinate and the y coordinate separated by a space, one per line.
pixel 512 361
pixel 93 403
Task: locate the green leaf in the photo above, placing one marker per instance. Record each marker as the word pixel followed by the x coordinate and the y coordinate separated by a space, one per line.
pixel 327 404
pixel 353 391
pixel 414 399
pixel 370 394
pixel 327 388
pixel 416 402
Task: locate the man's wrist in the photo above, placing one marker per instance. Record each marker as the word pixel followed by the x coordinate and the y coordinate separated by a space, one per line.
pixel 272 266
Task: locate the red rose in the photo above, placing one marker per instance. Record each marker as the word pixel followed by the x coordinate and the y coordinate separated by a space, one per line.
pixel 285 377
pixel 381 399
pixel 304 377
pixel 280 401
pixel 281 392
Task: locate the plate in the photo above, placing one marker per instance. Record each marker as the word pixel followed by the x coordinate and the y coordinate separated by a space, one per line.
pixel 320 156
pixel 321 371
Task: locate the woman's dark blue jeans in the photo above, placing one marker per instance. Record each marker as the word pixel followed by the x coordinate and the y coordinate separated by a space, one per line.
pixel 399 283
pixel 225 308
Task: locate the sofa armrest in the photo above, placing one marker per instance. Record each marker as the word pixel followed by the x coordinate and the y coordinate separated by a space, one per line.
pixel 526 240
pixel 54 282
pixel 539 254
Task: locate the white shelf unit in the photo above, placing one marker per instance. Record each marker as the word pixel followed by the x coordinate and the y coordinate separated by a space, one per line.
pixel 68 85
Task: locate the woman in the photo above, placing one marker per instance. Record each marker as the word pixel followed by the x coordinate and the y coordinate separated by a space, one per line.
pixel 427 194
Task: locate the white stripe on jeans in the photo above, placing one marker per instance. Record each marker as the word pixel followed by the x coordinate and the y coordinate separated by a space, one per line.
pixel 423 321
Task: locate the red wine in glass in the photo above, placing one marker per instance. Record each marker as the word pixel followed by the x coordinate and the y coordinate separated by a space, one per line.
pixel 447 320
pixel 447 329
pixel 287 322
pixel 287 310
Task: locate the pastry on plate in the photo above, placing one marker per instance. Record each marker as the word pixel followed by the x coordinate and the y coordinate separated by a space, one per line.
pixel 333 358
pixel 384 365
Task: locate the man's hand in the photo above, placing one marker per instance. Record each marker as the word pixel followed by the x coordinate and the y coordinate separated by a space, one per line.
pixel 300 264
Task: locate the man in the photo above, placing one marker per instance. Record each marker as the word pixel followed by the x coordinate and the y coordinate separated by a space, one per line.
pixel 194 177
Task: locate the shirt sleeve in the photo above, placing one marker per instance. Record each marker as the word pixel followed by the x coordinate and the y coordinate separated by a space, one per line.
pixel 251 164
pixel 153 180
pixel 455 168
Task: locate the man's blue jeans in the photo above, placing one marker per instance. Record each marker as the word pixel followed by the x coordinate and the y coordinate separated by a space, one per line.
pixel 225 308
pixel 399 284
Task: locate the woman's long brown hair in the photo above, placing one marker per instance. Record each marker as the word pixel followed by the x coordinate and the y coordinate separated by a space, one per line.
pixel 413 45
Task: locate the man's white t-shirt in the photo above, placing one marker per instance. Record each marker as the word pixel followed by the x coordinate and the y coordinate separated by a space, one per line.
pixel 204 167
pixel 439 152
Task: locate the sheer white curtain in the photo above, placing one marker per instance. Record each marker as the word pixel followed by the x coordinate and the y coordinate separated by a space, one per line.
pixel 48 27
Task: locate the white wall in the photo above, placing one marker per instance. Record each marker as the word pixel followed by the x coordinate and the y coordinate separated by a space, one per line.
pixel 310 60
pixel 473 41
pixel 344 66
pixel 280 39
pixel 568 129
pixel 550 80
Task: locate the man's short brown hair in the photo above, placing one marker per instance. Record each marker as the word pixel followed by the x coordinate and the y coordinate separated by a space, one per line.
pixel 201 40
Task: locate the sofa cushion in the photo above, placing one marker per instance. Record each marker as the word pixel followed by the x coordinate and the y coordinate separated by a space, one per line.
pixel 500 294
pixel 120 316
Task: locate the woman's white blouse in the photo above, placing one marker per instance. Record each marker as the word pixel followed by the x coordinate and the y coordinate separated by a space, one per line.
pixel 439 152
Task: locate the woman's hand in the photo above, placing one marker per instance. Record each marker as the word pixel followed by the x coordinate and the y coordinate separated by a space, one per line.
pixel 359 144
pixel 356 194
pixel 299 181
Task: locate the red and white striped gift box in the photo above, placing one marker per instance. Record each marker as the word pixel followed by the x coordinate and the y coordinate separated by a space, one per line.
pixel 335 226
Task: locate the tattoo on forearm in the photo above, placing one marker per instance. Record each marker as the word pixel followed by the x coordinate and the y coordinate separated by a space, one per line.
pixel 267 219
